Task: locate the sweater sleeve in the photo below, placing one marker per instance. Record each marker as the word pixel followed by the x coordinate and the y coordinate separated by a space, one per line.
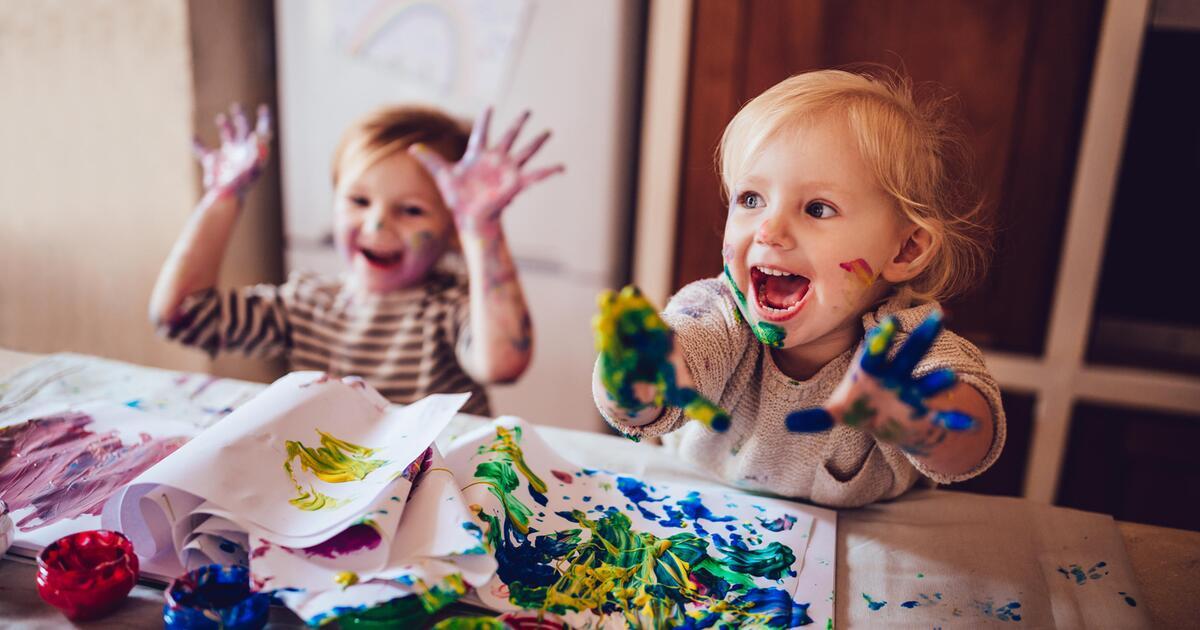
pixel 250 319
pixel 949 351
pixel 710 335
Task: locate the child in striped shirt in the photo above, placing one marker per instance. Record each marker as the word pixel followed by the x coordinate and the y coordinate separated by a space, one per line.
pixel 410 187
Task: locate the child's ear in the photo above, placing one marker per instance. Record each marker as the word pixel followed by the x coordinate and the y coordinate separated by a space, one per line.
pixel 912 258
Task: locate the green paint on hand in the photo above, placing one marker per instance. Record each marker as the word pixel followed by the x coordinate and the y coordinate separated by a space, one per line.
pixel 635 345
pixel 860 411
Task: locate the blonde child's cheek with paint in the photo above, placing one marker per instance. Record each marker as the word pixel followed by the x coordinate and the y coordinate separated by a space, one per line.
pixel 839 291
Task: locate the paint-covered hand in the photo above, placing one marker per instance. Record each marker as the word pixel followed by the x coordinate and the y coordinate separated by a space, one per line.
pixel 480 185
pixel 882 397
pixel 635 347
pixel 233 167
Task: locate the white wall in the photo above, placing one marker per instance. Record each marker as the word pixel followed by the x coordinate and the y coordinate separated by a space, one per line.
pixel 577 69
pixel 96 171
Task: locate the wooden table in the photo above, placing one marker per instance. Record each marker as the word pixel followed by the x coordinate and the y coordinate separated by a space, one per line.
pixel 1165 562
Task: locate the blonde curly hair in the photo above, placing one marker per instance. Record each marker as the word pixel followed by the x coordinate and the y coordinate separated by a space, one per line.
pixel 914 148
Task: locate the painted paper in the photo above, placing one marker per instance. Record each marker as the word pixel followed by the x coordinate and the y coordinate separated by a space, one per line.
pixel 603 549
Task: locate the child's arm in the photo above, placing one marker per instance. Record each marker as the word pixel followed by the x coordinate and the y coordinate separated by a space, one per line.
pixel 229 171
pixel 639 370
pixel 945 424
pixel 498 344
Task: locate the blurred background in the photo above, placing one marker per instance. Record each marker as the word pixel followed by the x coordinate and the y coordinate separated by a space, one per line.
pixel 1084 116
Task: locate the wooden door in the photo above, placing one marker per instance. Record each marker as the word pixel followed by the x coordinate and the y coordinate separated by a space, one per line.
pixel 1019 70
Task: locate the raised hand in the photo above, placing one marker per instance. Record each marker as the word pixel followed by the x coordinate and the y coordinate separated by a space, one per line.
pixel 480 185
pixel 881 396
pixel 635 345
pixel 234 166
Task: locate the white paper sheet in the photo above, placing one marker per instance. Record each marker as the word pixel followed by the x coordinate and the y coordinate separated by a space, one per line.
pixel 238 466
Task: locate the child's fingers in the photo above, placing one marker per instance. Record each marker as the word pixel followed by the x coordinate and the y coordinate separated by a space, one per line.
pixel 532 148
pixel 809 420
pixel 936 382
pixel 479 133
pixel 430 159
pixel 198 149
pixel 877 343
pixel 241 128
pixel 511 135
pixel 224 128
pixel 917 345
pixel 529 179
pixel 262 126
pixel 954 421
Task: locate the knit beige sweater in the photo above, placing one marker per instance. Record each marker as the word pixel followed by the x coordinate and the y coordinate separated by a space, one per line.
pixel 843 467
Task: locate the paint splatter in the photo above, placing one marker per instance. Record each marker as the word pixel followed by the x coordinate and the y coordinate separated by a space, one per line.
pixel 335 461
pixel 346 578
pixel 1007 612
pixel 606 566
pixel 1081 576
pixel 1128 600
pixel 562 476
pixel 62 470
pixel 861 271
pixel 872 603
pixel 922 600
pixel 356 538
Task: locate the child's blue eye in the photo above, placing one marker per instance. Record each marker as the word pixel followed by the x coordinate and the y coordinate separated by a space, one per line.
pixel 820 210
pixel 360 201
pixel 750 200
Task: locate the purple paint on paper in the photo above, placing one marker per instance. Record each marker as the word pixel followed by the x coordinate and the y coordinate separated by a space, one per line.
pixel 62 470
pixel 353 539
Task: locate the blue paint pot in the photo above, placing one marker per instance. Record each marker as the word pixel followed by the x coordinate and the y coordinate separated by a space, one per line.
pixel 216 597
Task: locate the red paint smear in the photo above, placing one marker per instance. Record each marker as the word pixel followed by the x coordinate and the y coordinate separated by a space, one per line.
pixel 562 476
pixel 62 470
pixel 354 539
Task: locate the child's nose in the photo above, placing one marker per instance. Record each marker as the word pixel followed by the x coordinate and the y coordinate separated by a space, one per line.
pixel 773 233
pixel 375 219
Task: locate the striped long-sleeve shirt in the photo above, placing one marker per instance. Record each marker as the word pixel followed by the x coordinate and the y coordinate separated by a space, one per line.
pixel 406 343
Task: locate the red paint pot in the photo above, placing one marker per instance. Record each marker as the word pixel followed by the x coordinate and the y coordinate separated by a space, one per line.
pixel 87 575
pixel 532 620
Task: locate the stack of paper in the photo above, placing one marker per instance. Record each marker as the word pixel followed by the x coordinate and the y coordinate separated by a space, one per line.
pixel 310 483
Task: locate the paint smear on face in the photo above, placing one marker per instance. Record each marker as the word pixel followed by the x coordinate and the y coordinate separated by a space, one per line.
pixel 769 334
pixel 860 270
pixel 335 461
pixel 62 470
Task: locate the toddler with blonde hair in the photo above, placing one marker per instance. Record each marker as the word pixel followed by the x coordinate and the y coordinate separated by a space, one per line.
pixel 410 186
pixel 848 218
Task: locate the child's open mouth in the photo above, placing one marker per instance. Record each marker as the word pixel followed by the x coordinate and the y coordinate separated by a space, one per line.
pixel 779 294
pixel 380 258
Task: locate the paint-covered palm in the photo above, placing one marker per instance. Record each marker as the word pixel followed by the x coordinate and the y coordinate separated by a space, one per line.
pixel 635 346
pixel 881 395
pixel 487 178
pixel 234 166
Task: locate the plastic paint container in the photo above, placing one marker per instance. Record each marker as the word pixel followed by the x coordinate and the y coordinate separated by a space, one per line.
pixel 215 596
pixel 88 574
